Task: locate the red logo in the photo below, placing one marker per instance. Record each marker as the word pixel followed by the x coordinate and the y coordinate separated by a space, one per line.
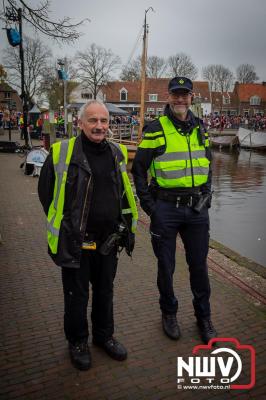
pixel 221 368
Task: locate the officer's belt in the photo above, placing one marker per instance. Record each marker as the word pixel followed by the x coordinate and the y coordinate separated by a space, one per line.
pixel 180 199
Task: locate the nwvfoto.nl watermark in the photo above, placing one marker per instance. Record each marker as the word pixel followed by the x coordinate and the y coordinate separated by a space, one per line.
pixel 219 368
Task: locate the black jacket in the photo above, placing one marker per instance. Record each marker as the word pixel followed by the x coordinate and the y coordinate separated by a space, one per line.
pixel 144 157
pixel 78 194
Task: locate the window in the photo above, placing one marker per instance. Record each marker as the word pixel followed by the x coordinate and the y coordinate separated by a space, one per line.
pixel 7 95
pixel 150 110
pixel 159 111
pixel 123 94
pixel 86 96
pixel 226 100
pixel 255 100
pixel 153 97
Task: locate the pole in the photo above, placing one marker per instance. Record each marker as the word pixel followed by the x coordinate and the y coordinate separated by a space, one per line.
pixel 9 125
pixel 143 79
pixel 23 95
pixel 65 106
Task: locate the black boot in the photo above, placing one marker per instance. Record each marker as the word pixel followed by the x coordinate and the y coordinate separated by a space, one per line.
pixel 113 348
pixel 170 326
pixel 207 329
pixel 80 355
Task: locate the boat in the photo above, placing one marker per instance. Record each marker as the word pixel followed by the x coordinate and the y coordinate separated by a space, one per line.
pixel 251 139
pixel 224 141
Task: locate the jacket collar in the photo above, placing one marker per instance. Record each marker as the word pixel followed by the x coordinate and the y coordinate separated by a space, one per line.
pixel 79 157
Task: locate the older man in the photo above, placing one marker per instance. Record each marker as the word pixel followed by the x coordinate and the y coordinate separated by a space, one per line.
pixel 90 208
pixel 175 150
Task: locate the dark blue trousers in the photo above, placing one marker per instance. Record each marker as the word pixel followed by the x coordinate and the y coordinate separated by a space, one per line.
pixel 166 222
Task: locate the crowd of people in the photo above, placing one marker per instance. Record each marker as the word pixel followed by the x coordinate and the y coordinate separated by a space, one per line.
pixel 221 122
pixel 212 121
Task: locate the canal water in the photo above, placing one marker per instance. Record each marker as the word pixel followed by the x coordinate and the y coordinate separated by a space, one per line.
pixel 238 217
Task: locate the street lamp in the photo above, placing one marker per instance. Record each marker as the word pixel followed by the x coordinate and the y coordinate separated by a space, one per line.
pixel 63 76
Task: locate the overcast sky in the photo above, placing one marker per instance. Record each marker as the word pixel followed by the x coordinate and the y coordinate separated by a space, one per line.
pixel 228 32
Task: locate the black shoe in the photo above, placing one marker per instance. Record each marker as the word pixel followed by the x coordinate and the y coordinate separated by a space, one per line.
pixel 207 329
pixel 113 348
pixel 170 326
pixel 80 355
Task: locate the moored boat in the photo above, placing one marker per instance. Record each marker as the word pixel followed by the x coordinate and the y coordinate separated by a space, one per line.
pixel 224 141
pixel 251 139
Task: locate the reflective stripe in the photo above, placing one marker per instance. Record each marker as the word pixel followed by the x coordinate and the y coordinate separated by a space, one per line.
pixel 174 174
pixel 127 211
pixel 54 231
pixel 181 155
pixel 60 168
pixel 152 144
pixel 134 225
pixel 153 134
pixel 123 167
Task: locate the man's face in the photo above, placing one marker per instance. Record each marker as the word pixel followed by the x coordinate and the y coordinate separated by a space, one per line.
pixel 180 101
pixel 95 122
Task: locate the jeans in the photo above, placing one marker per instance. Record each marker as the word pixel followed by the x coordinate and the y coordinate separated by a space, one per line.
pixel 166 222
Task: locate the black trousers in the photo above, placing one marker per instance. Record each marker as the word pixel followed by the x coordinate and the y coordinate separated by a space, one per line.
pixel 100 271
pixel 166 222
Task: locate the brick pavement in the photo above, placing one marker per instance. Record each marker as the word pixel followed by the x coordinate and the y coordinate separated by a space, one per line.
pixel 34 362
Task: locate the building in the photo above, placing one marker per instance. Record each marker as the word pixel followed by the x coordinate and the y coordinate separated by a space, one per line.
pixel 251 98
pixel 225 103
pixel 126 95
pixel 9 98
pixel 247 99
pixel 81 94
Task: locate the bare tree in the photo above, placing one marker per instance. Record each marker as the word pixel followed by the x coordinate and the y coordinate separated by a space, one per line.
pixel 219 77
pixel 246 73
pixel 38 17
pixel 37 57
pixel 131 72
pixel 181 65
pixel 156 67
pixel 95 66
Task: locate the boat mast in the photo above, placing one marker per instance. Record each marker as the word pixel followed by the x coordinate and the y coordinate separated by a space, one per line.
pixel 143 74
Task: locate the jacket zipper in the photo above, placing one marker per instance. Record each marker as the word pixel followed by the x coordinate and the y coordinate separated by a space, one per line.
pixel 190 157
pixel 85 202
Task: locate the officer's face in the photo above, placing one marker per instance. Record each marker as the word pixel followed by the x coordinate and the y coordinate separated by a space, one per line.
pixel 180 101
pixel 95 122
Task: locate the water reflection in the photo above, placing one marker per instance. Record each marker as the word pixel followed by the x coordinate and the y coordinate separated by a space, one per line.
pixel 238 212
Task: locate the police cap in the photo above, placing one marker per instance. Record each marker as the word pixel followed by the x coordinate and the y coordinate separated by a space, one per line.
pixel 180 83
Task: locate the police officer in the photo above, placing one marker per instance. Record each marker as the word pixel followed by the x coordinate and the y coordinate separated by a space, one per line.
pixel 175 151
pixel 90 208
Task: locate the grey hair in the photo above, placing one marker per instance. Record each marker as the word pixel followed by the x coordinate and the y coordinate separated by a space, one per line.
pixel 83 109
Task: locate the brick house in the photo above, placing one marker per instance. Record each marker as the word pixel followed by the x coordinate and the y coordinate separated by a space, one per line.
pixel 126 95
pixel 251 98
pixel 246 99
pixel 225 103
pixel 9 98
